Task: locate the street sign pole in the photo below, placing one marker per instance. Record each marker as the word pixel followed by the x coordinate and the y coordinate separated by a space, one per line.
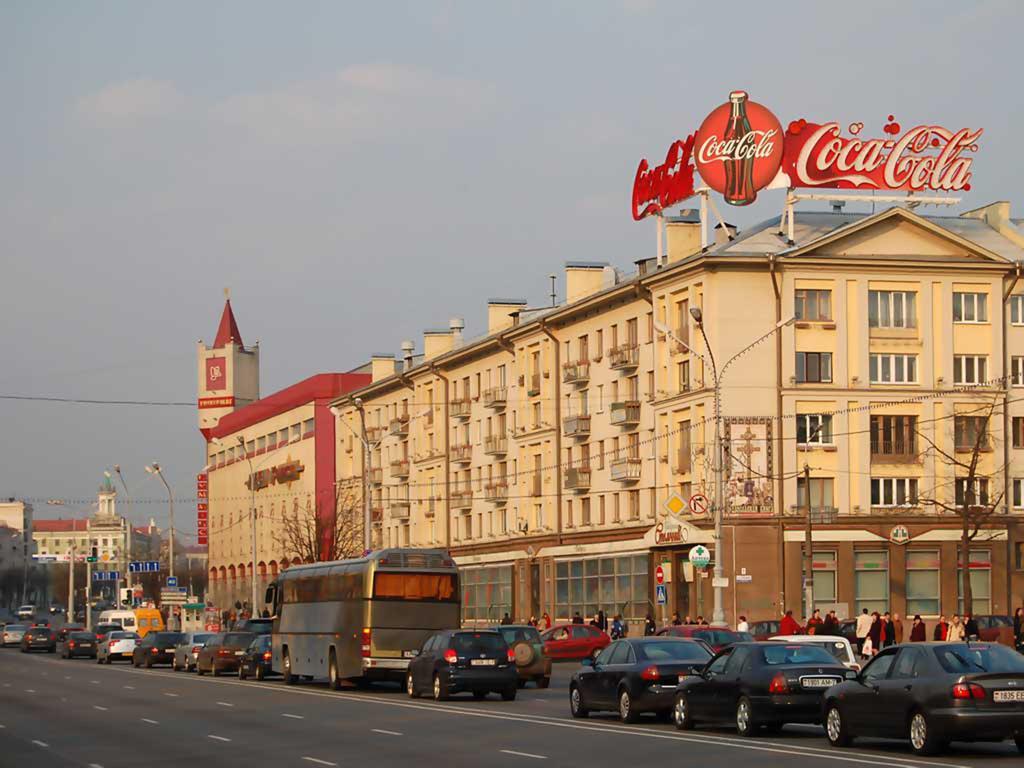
pixel 88 594
pixel 71 586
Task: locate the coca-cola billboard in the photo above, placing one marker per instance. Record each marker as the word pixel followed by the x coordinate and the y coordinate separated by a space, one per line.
pixel 741 148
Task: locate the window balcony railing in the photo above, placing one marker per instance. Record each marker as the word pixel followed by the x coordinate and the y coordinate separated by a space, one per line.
pixel 626 470
pixel 577 478
pixel 894 452
pixel 462 453
pixel 624 356
pixel 576 426
pixel 459 408
pixel 400 427
pixel 626 413
pixel 462 498
pixel 400 468
pixel 576 372
pixel 496 445
pixel 431 508
pixel 496 491
pixel 495 397
pixel 821 515
pixel 374 434
pixel 534 388
pixel 376 475
pixel 399 509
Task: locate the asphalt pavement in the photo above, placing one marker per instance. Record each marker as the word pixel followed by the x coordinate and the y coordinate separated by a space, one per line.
pixel 55 712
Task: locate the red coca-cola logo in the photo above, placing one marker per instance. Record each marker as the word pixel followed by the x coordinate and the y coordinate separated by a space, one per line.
pixel 739 148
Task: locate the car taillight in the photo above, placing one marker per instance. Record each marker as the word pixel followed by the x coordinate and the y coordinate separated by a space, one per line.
pixel 366 643
pixel 968 691
pixel 225 652
pixel 511 656
pixel 651 673
pixel 451 656
pixel 71 644
pixel 267 656
pixel 778 684
pixel 155 650
pixel 196 648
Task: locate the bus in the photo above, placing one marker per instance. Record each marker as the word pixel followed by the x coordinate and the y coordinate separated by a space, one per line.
pixel 362 619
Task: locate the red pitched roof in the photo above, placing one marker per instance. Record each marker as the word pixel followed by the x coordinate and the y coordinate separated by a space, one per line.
pixel 59 526
pixel 228 328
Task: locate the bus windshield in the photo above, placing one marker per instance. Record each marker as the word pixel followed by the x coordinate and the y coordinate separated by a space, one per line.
pixel 436 587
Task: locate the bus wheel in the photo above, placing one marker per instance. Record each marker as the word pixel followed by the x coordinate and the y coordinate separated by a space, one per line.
pixel 332 672
pixel 286 673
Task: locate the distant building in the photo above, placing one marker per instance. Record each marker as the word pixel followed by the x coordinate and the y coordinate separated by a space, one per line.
pixel 16 549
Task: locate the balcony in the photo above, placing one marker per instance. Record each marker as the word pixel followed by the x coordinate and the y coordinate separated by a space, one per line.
pixel 399 427
pixel 431 508
pixel 399 509
pixel 533 388
pixel 576 373
pixel 400 468
pixel 819 515
pixel 577 478
pixel 459 408
pixel 626 413
pixel 576 426
pixel 462 498
pixel 495 397
pixel 462 453
pixel 496 491
pixel 624 356
pixel 626 470
pixel 374 434
pixel 495 445
pixel 376 513
pixel 376 475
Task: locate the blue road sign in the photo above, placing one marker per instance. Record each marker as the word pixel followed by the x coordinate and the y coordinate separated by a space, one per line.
pixel 172 581
pixel 144 566
pixel 662 594
pixel 106 575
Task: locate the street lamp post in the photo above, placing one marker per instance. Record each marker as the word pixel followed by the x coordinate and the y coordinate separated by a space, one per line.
pixel 154 469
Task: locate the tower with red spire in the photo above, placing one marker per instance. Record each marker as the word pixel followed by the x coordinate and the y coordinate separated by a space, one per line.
pixel 229 372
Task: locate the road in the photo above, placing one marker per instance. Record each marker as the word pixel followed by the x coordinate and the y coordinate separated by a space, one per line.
pixel 55 712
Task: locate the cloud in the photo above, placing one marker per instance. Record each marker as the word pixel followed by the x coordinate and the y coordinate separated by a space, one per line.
pixel 132 99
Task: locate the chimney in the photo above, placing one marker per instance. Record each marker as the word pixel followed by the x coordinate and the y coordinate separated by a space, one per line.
pixel 382 366
pixel 724 233
pixel 500 311
pixel 997 216
pixel 682 233
pixel 407 349
pixel 583 278
pixel 456 326
pixel 436 342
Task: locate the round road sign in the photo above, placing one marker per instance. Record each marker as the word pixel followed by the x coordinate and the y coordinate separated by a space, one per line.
pixel 699 504
pixel 659 575
pixel 700 556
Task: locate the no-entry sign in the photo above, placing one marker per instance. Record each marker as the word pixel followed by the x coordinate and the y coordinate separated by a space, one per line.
pixel 659 575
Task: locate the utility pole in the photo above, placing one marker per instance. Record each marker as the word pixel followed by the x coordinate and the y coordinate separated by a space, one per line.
pixel 154 469
pixel 808 554
pixel 71 586
pixel 88 591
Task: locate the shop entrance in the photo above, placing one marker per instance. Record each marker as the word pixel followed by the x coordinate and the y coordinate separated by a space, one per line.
pixel 682 587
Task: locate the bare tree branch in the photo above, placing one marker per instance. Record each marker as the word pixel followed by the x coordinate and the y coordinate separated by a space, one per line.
pixel 312 535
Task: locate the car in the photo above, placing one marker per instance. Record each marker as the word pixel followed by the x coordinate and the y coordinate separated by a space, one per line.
pixel 636 675
pixel 27 612
pixel 716 637
pixel 187 651
pixel 117 644
pixel 222 652
pixel 13 634
pixel 156 648
pixel 102 630
pixel 80 643
pixel 757 685
pixel 63 633
pixel 255 626
pixel 574 641
pixel 995 629
pixel 931 693
pixel 531 661
pixel 256 660
pixel 848 629
pixel 762 630
pixel 838 646
pixel 453 661
pixel 39 639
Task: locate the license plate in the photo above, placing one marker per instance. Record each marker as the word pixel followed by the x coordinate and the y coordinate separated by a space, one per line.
pixel 410 654
pixel 1008 696
pixel 85 645
pixel 818 682
pixel 481 662
pixel 239 653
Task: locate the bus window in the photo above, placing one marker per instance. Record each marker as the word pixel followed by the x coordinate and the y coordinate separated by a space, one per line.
pixel 128 621
pixel 414 586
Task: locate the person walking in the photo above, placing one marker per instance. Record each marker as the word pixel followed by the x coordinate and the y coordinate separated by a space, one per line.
pixel 814 623
pixel 618 630
pixel 875 635
pixel 788 625
pixel 649 626
pixel 941 631
pixel 917 630
pixel 898 625
pixel 955 633
pixel 546 619
pixel 888 631
pixel 862 629
pixel 830 625
pixel 506 619
pixel 602 621
pixel 1018 628
pixel 743 626
pixel 675 619
pixel 971 627
pixel 576 618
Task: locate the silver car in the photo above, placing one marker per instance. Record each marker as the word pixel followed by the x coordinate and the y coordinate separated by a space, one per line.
pixel 117 645
pixel 13 634
pixel 187 651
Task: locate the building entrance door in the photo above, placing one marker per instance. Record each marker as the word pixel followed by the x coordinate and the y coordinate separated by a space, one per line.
pixel 682 587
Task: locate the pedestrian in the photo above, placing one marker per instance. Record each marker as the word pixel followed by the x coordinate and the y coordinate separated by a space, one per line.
pixel 506 619
pixel 675 619
pixel 862 629
pixel 941 631
pixel 830 626
pixel 546 619
pixel 576 618
pixel 743 626
pixel 875 635
pixel 649 626
pixel 888 631
pixel 917 630
pixel 955 633
pixel 971 627
pixel 596 621
pixel 266 613
pixel 1018 628
pixel 617 628
pixel 533 621
pixel 867 650
pixel 700 620
pixel 814 622
pixel 788 625
pixel 687 620
pixel 899 627
pixel 602 621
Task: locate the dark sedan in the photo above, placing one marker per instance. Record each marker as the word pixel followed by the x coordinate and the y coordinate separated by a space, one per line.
pixel 223 652
pixel 39 639
pixel 156 648
pixel 453 661
pixel 102 630
pixel 716 638
pixel 635 675
pixel 759 685
pixel 79 643
pixel 256 659
pixel 932 693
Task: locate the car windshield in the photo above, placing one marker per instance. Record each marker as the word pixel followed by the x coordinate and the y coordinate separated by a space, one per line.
pixel 966 658
pixel 716 636
pixel 238 639
pixel 520 635
pixel 668 651
pixel 474 642
pixel 201 638
pixel 82 636
pixel 39 631
pixel 796 653
pixel 15 627
pixel 171 638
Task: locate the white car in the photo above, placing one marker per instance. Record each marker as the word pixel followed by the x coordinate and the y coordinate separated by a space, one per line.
pixel 837 645
pixel 27 612
pixel 13 633
pixel 118 645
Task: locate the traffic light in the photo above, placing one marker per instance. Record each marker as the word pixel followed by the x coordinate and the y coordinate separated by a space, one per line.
pixel 92 558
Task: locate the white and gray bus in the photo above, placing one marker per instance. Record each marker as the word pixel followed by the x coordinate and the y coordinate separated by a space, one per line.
pixel 361 619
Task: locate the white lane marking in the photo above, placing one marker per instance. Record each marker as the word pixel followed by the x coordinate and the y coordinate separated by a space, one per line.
pixel 40 743
pixel 97 706
pixel 128 687
pixel 386 733
pixel 67 677
pixel 30 690
pixel 293 717
pixel 218 738
pixel 151 722
pixel 317 761
pixel 95 682
pixel 523 754
pixel 2 725
pixel 173 695
pixel 95 765
pixel 224 704
pixel 7 685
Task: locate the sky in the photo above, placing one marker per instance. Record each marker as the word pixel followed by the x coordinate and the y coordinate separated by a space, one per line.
pixel 359 172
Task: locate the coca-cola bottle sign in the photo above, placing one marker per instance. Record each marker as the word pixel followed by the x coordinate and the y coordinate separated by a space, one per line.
pixel 738 149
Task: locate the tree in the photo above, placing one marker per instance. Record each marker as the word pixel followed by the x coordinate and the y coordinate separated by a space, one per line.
pixel 312 535
pixel 977 494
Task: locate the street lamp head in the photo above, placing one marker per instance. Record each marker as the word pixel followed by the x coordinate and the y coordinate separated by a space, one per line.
pixel 336 411
pixel 241 440
pixel 358 403
pixel 697 315
pixel 784 323
pixel 117 468
pixel 107 474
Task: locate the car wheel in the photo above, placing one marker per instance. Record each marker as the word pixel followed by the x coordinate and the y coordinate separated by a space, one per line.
pixel 214 669
pixel 627 713
pixel 410 686
pixel 509 694
pixel 745 725
pixel 681 716
pixel 289 678
pixel 576 703
pixel 333 681
pixel 1019 741
pixel 149 663
pixel 199 669
pixel 923 740
pixel 479 695
pixel 260 674
pixel 835 727
pixel 241 671
pixel 543 682
pixel 440 689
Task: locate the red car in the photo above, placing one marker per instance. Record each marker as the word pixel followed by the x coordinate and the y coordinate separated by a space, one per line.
pixel 717 638
pixel 574 641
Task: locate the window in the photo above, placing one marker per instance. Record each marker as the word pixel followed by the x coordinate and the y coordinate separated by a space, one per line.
pixel 1017 371
pixel 923 582
pixel 307 427
pixel 969 369
pixel 893 369
pixel 821 493
pixel 814 367
pixel 980 568
pixel 878 669
pixel 813 304
pixel 814 429
pixel 585 512
pixel 683 373
pixel 893 491
pixel 823 565
pixel 871 581
pixel 589 585
pixel 1018 552
pixel 1017 426
pixel 970 307
pixel 908 663
pixel 486 593
pixel 892 309
pixel 1017 309
pixel 894 435
pixel 1018 493
pixel 634 503
pixel 969 431
pixel 978 495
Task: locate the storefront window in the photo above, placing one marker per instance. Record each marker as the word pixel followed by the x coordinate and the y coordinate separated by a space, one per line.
pixel 980 567
pixel 923 582
pixel 612 584
pixel 824 566
pixel 486 593
pixel 871 581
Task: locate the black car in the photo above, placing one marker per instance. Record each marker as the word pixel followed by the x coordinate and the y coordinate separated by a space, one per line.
pixel 453 661
pixel 932 693
pixel 79 643
pixel 257 658
pixel 256 626
pixel 156 648
pixel 39 639
pixel 636 675
pixel 102 630
pixel 754 685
